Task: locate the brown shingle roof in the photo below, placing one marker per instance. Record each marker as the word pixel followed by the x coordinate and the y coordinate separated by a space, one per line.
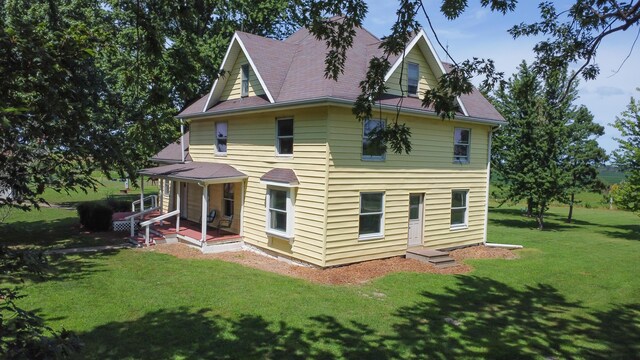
pixel 293 70
pixel 194 171
pixel 173 152
pixel 285 176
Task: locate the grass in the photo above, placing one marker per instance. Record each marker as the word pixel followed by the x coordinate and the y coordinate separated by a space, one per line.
pixel 574 293
pixel 58 226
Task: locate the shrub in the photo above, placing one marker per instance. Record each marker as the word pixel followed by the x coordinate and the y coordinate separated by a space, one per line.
pixel 95 216
pixel 118 205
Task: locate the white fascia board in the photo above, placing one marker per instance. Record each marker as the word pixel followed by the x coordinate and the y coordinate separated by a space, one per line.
pixel 412 43
pixel 422 35
pixel 208 104
pixel 255 69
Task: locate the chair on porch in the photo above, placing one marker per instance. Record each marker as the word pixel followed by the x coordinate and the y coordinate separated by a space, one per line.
pixel 224 221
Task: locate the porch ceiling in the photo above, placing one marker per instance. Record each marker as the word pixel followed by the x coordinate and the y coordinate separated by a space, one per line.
pixel 196 172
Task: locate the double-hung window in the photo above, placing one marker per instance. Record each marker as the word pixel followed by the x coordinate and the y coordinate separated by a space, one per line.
pixel 221 138
pixel 413 72
pixel 244 90
pixel 459 208
pixel 280 212
pixel 461 142
pixel 227 198
pixel 372 149
pixel 284 136
pixel 371 224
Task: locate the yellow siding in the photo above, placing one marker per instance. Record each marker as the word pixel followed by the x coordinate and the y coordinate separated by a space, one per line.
pixel 427 78
pixel 251 149
pixel 327 161
pixel 429 169
pixel 194 196
pixel 234 81
pixel 166 196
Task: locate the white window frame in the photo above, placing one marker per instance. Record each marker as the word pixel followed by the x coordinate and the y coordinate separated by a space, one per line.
pixel 456 158
pixel 166 188
pixel 231 200
pixel 409 79
pixel 288 234
pixel 216 151
pixel 244 80
pixel 365 137
pixel 465 207
pixel 380 234
pixel 278 137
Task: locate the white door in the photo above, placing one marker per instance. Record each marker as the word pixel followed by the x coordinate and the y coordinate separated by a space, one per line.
pixel 183 200
pixel 415 219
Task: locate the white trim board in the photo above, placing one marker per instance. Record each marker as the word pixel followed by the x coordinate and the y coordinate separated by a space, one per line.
pixel 229 60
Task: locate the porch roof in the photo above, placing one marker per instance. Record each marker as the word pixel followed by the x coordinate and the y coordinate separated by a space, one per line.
pixel 195 172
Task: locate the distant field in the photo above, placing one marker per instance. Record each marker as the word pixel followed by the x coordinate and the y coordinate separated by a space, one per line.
pixel 610 175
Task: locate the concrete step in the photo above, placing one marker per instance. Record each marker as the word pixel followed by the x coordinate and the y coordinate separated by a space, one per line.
pixel 439 259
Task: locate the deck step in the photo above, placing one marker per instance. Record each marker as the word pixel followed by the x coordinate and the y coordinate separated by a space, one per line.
pixel 439 259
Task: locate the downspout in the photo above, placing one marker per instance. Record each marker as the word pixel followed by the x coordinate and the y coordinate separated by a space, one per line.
pixel 486 199
pixel 182 139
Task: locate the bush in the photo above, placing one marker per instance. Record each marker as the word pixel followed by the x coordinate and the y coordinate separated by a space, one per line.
pixel 95 216
pixel 118 205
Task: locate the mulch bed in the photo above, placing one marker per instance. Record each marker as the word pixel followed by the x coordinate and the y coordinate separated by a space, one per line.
pixel 349 274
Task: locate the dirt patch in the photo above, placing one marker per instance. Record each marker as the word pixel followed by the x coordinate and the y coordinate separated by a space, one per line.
pixel 482 252
pixel 349 274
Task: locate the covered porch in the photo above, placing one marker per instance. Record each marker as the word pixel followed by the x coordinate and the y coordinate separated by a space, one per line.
pixel 199 203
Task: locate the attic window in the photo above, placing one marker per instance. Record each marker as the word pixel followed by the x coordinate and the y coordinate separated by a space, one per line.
pixel 244 91
pixel 414 73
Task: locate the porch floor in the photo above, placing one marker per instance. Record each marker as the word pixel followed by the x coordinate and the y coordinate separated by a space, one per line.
pixel 192 230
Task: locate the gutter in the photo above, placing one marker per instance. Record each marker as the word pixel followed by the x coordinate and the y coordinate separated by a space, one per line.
pixel 327 101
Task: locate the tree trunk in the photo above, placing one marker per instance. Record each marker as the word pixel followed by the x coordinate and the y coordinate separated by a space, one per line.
pixel 570 216
pixel 540 216
pixel 529 207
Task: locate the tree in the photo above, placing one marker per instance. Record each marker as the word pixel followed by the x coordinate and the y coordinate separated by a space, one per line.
pixel 534 152
pixel 627 157
pixel 572 36
pixel 95 85
pixel 583 156
pixel 52 133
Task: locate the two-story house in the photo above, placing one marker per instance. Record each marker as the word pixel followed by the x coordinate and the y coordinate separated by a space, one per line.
pixel 275 147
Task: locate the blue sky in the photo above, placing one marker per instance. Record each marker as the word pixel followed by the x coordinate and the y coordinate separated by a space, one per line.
pixel 481 33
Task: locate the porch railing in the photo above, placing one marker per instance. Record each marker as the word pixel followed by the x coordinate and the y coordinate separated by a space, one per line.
pixel 141 203
pixel 147 224
pixel 132 218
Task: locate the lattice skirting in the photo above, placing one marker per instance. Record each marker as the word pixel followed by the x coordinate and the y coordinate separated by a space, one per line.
pixel 123 225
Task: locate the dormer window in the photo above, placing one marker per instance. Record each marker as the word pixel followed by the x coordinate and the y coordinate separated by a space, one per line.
pixel 244 91
pixel 413 71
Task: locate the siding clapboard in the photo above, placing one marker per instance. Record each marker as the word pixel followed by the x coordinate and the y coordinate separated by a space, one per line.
pixel 232 89
pixel 427 79
pixel 429 169
pixel 251 150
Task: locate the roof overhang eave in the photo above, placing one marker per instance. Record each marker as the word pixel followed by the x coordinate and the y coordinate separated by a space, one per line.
pixel 331 101
pixel 204 181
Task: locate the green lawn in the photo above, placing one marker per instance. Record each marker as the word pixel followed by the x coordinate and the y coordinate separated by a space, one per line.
pixel 58 226
pixel 574 293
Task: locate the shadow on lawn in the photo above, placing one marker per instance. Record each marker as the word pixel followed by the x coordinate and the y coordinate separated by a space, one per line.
pixel 478 318
pixel 627 232
pixel 517 219
pixel 56 233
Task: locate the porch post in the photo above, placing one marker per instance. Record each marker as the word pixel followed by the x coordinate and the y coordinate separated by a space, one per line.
pixel 205 210
pixel 242 208
pixel 161 192
pixel 141 193
pixel 178 207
